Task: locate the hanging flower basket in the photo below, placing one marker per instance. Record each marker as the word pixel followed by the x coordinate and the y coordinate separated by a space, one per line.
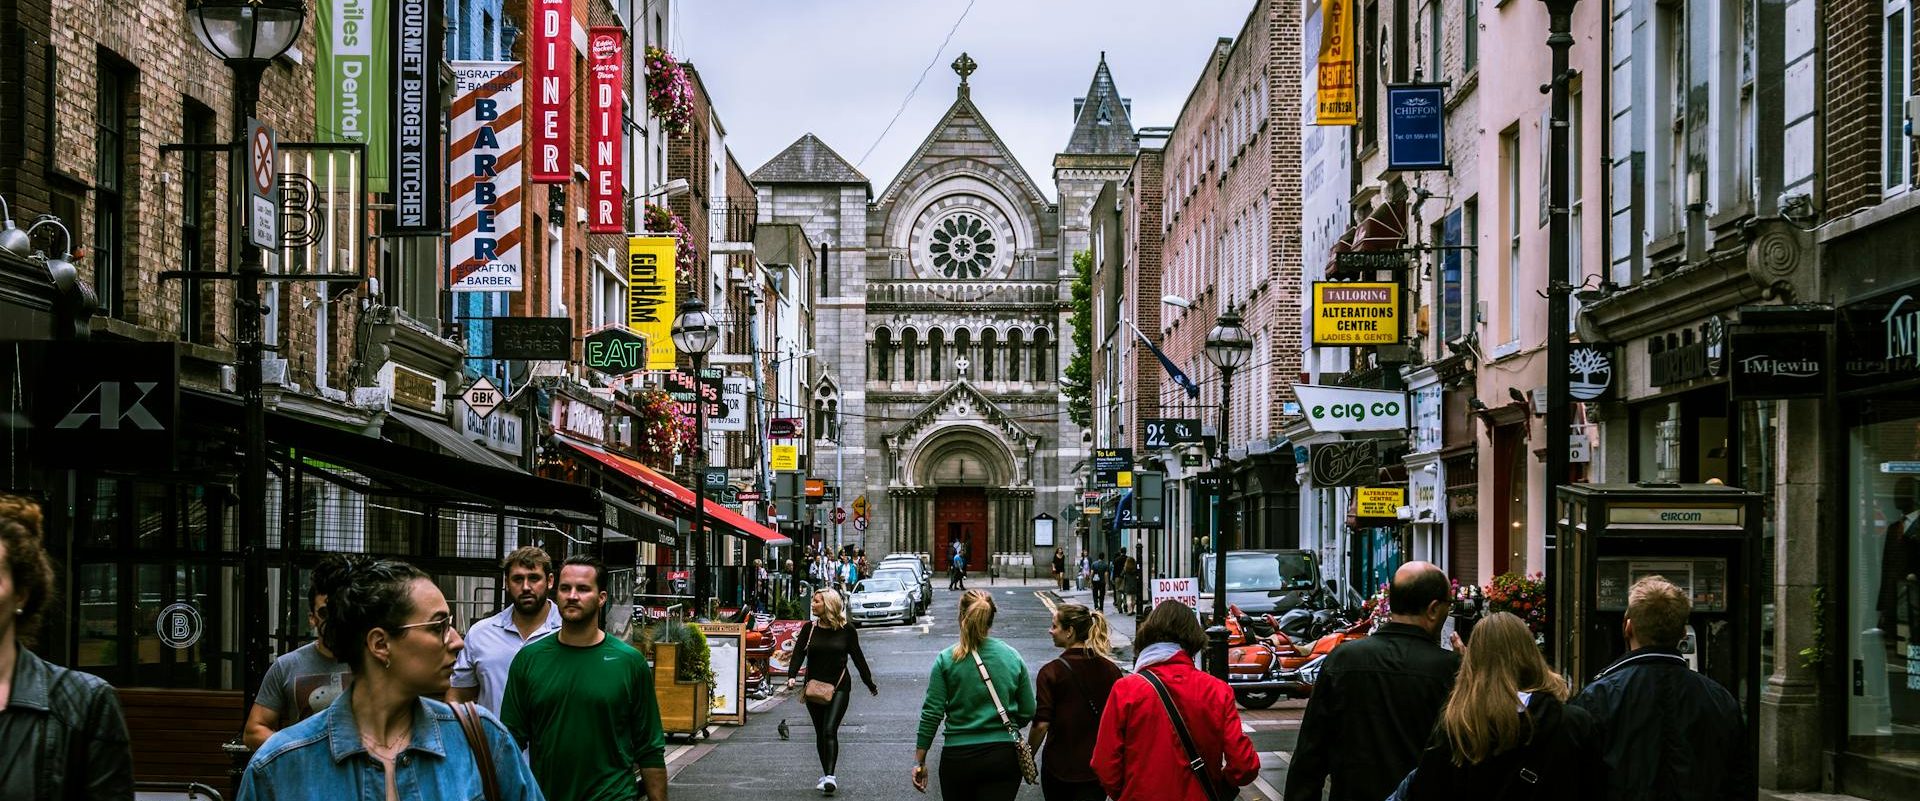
pixel 663 430
pixel 669 93
pixel 1523 596
pixel 661 221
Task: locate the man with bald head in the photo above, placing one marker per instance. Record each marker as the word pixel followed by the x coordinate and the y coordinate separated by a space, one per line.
pixel 1378 697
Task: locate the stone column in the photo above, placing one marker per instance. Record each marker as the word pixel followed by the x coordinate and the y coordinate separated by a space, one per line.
pixel 1791 726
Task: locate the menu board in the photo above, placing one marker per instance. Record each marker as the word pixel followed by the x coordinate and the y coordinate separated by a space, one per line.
pixel 1704 580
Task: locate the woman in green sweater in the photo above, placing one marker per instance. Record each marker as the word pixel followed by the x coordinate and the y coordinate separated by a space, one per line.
pixel 978 762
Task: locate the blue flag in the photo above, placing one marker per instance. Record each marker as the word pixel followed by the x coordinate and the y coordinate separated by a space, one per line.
pixel 1179 378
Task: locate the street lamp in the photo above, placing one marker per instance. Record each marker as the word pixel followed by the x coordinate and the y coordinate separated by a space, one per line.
pixel 248 35
pixel 1229 348
pixel 1559 256
pixel 695 333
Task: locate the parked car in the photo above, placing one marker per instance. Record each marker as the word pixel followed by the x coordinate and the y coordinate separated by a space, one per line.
pixel 922 596
pixel 918 565
pixel 1263 582
pixel 878 600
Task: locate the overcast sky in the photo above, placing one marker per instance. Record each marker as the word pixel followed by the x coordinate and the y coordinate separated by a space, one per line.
pixel 777 69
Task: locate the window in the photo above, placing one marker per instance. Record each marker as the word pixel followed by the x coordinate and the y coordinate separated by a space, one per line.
pixel 1402 47
pixel 1897 85
pixel 935 340
pixel 882 355
pixel 109 180
pixel 1436 35
pixel 1510 169
pixel 1013 355
pixel 1669 90
pixel 989 350
pixel 1370 75
pixel 1470 236
pixel 196 321
pixel 908 354
pixel 1470 33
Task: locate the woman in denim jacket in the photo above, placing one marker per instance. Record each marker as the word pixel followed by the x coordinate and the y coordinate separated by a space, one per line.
pixel 388 737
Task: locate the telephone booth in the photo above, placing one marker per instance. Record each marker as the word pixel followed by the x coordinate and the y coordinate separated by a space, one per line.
pixel 1701 537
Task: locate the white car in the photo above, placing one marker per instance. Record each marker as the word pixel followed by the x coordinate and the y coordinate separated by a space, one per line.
pixel 880 600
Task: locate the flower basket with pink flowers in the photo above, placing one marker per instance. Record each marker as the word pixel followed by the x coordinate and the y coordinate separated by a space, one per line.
pixel 1523 596
pixel 669 93
pixel 664 431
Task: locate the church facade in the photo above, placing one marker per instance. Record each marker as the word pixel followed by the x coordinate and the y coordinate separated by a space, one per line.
pixel 941 325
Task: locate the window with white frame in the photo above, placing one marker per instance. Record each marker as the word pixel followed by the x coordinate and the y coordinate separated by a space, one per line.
pixel 1510 169
pixel 1669 89
pixel 1896 84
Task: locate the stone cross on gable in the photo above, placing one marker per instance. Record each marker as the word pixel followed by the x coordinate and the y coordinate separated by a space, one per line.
pixel 961 364
pixel 965 65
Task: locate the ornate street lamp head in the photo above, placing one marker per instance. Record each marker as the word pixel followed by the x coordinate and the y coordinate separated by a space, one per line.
pixel 246 30
pixel 1228 346
pixel 694 329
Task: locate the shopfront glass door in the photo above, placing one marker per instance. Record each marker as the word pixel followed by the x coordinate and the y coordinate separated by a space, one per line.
pixel 1883 604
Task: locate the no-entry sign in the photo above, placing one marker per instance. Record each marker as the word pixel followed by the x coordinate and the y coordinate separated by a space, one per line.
pixel 263 186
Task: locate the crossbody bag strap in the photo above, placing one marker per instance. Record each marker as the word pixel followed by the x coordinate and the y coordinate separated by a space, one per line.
pixel 1074 676
pixel 1194 762
pixel 474 728
pixel 1005 719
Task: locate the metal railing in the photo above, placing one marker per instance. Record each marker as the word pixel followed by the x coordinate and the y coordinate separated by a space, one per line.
pixel 190 791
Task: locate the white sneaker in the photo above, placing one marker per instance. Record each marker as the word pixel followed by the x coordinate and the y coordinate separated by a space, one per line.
pixel 827 785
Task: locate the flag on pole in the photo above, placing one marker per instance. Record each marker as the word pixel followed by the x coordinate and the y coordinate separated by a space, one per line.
pixel 1179 378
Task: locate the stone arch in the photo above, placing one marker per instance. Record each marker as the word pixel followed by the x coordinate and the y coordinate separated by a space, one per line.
pixel 963 441
pixel 826 411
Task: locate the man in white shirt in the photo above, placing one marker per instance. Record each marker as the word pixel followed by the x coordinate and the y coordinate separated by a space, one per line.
pixel 480 673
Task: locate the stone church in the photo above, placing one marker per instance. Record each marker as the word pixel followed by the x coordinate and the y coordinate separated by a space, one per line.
pixel 941 322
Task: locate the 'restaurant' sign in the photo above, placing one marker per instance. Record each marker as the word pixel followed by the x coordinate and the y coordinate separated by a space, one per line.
pixel 1356 313
pixel 550 68
pixel 485 175
pixel 606 46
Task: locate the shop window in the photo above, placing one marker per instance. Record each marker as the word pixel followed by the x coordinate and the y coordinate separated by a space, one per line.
pixel 117 83
pixel 1883 604
pixel 1897 85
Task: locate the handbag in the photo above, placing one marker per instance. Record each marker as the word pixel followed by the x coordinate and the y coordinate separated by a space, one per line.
pixel 471 725
pixel 820 692
pixel 1028 770
pixel 1194 762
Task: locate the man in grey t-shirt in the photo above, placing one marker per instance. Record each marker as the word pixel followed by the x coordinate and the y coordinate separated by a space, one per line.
pixel 307 679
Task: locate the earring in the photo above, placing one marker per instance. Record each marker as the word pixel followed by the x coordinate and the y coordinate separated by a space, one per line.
pixel 387 663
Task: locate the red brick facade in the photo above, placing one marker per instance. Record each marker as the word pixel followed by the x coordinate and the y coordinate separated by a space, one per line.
pixel 1143 230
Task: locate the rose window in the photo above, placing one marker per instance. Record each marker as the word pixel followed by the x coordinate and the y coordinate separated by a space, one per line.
pixel 962 246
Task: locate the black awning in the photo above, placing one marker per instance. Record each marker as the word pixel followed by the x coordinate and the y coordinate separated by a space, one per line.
pixel 450 441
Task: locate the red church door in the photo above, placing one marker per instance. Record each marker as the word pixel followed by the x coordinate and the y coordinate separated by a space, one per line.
pixel 960 516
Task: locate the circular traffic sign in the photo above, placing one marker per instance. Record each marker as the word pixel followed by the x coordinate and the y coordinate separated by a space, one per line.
pixel 860 524
pixel 263 161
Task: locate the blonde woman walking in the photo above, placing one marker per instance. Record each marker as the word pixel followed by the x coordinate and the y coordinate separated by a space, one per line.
pixel 971 684
pixel 1505 732
pixel 825 646
pixel 1072 691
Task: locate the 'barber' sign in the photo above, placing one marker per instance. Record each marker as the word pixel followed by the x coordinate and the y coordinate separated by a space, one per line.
pixel 485 155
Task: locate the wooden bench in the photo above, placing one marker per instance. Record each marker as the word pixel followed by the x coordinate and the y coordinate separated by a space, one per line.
pixel 177 734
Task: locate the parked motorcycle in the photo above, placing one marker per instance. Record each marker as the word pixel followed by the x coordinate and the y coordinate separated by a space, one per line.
pixel 1269 659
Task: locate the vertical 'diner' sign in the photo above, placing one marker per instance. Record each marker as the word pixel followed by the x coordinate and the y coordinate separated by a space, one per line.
pixel 485 158
pixel 606 46
pixel 650 296
pixel 1335 102
pixel 417 181
pixel 550 67
pixel 350 80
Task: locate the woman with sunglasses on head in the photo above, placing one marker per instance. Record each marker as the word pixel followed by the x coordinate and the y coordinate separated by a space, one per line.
pixel 1072 692
pixel 827 647
pixel 387 737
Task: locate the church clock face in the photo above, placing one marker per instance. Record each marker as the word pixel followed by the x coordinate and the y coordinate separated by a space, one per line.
pixel 963 245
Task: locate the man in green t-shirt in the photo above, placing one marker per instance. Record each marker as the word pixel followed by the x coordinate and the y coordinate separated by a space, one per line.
pixel 583 704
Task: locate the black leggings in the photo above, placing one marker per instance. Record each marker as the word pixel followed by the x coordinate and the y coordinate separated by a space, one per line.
pixel 985 772
pixel 826 726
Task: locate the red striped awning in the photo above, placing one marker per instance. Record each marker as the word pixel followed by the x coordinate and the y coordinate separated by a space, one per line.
pixel 669 490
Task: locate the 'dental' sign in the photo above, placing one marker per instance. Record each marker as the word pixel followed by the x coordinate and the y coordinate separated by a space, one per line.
pixel 485 160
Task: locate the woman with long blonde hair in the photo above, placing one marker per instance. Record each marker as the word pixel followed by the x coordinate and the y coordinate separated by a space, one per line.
pixel 971 683
pixel 824 647
pixel 1072 691
pixel 1506 730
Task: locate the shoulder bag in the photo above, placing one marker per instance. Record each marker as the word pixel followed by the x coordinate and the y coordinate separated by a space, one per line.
pixel 1194 762
pixel 820 692
pixel 1028 770
pixel 1074 676
pixel 475 729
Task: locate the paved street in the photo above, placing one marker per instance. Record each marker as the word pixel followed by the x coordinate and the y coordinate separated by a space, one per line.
pixel 877 739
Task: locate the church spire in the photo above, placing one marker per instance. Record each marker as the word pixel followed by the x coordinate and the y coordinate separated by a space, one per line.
pixel 1102 122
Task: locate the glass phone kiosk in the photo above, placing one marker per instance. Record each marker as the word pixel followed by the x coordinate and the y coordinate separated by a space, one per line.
pixel 1701 537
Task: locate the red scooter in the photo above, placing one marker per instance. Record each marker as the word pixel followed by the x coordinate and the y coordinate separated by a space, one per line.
pixel 1267 659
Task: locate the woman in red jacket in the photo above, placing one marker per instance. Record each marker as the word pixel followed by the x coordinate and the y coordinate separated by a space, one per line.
pixel 1139 755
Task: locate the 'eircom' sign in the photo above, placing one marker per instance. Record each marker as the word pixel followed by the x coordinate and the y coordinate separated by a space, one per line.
pixel 1353 313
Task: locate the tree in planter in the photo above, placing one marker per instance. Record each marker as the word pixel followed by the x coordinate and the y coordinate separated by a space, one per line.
pixel 695 661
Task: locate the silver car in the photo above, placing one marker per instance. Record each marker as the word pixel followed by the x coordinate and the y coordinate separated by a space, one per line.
pixel 906 576
pixel 878 600
pixel 916 564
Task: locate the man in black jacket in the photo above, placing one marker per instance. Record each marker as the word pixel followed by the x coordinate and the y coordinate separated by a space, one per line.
pixel 1668 732
pixel 1378 698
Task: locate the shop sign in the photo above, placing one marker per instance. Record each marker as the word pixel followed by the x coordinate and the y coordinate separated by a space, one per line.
pixel 1880 341
pixel 112 405
pixel 783 428
pixel 350 78
pixel 580 419
pixel 1337 86
pixel 415 389
pixel 1378 501
pixel 179 626
pixel 1344 464
pixel 1778 364
pixel 1589 371
pixel 1427 414
pixel 731 412
pixel 1424 493
pixel 1113 467
pixel 1356 313
pixel 816 490
pixel 650 296
pixel 1345 409
pixel 1674 515
pixel 550 67
pixel 1165 432
pixel 1685 356
pixel 481 397
pixel 501 432
pixel 484 134
pixel 605 47
pixel 532 338
pixel 688 389
pixel 785 457
pixel 615 351
pixel 415 112
pixel 1416 126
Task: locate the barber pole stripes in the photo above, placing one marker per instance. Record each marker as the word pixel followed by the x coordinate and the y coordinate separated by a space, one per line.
pixel 485 160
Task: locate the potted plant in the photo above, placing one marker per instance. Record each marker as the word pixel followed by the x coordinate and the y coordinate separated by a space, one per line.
pixel 1523 596
pixel 669 92
pixel 683 680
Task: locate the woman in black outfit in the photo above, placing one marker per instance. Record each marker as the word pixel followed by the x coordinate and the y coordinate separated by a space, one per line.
pixel 1072 692
pixel 823 648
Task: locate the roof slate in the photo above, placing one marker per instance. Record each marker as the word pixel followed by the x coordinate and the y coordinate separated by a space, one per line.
pixel 807 161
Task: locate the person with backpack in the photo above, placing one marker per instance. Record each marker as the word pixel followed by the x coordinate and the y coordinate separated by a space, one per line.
pixel 1071 691
pixel 1506 732
pixel 1170 732
pixel 1099 582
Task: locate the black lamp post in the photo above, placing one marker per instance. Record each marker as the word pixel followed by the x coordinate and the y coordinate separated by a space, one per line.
pixel 695 333
pixel 1229 348
pixel 1559 255
pixel 248 35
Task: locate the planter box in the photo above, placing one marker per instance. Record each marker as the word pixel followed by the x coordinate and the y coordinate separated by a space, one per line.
pixel 684 705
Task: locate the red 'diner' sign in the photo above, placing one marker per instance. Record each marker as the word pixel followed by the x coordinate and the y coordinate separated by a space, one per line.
pixel 550 61
pixel 606 46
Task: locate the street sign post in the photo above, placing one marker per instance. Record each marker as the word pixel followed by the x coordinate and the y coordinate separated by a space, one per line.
pixel 263 186
pixel 482 397
pixel 1165 432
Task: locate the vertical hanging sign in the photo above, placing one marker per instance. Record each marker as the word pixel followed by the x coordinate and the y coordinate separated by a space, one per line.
pixel 415 119
pixel 1334 102
pixel 485 157
pixel 351 81
pixel 550 68
pixel 606 46
pixel 650 294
